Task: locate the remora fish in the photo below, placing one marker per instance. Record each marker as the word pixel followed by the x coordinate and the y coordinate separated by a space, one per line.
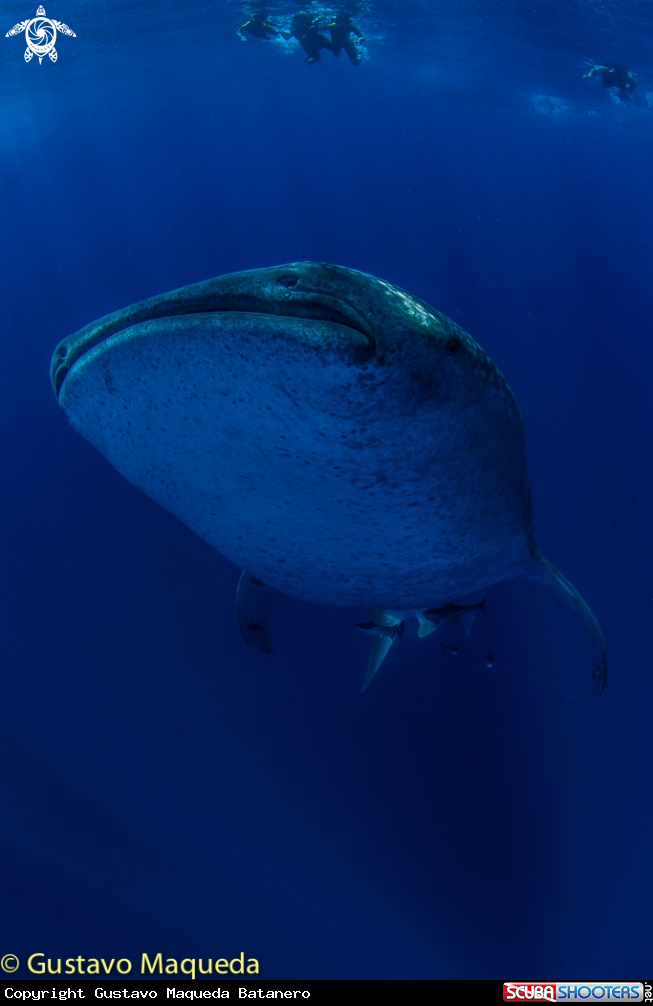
pixel 387 631
pixel 463 613
pixel 336 437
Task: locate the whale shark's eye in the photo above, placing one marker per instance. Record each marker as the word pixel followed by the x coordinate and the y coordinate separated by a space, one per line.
pixel 291 281
pixel 453 345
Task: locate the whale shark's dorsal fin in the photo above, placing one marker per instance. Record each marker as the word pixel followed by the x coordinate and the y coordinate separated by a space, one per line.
pixel 545 572
pixel 380 644
pixel 254 604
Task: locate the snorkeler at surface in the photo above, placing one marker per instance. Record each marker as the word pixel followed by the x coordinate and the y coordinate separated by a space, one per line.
pixel 341 29
pixel 259 26
pixel 305 29
pixel 614 76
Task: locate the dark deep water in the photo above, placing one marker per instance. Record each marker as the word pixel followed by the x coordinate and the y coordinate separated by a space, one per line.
pixel 162 787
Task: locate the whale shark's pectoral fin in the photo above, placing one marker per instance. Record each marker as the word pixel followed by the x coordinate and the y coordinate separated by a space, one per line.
pixel 254 604
pixel 380 644
pixel 546 573
pixel 380 647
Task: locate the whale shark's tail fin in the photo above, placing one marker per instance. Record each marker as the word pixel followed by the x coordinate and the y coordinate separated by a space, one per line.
pixel 380 643
pixel 544 572
pixel 254 604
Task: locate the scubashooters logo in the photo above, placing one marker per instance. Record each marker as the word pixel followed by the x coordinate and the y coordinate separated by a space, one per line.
pixel 572 992
pixel 40 35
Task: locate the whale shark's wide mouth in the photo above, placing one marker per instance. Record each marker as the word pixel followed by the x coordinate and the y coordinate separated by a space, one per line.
pixel 283 292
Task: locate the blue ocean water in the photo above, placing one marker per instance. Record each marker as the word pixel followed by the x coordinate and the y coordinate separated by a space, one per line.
pixel 165 789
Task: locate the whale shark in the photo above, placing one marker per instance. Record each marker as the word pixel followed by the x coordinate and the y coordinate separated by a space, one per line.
pixel 334 436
